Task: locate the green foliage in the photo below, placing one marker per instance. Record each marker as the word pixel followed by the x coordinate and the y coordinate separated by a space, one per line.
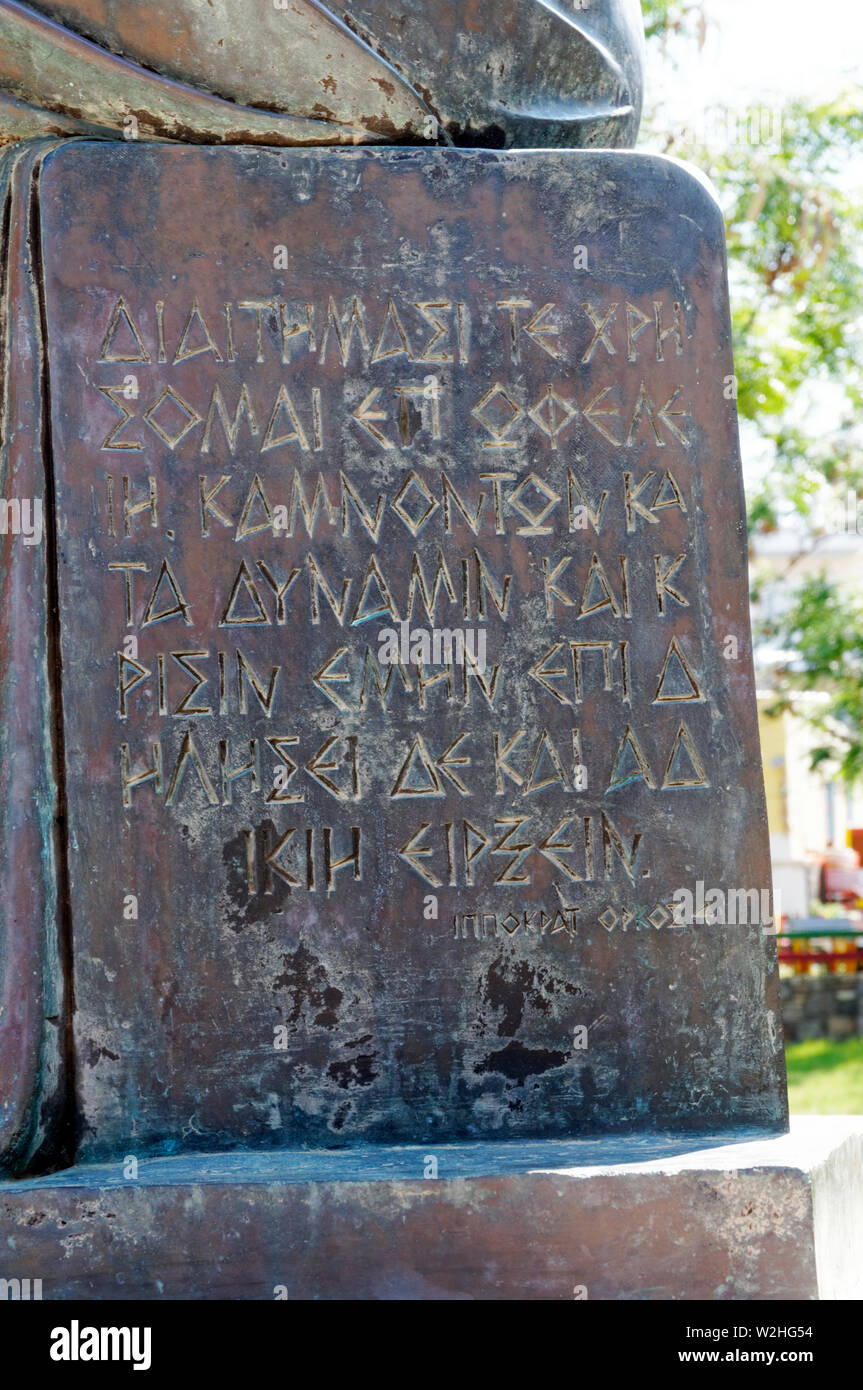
pixel 825 1078
pixel 794 225
pixel 824 629
pixel 664 17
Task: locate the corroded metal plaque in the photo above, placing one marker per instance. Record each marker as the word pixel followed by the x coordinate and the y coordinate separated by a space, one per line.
pixel 406 674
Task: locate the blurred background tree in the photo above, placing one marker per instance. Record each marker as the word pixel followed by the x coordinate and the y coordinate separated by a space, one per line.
pixel 790 185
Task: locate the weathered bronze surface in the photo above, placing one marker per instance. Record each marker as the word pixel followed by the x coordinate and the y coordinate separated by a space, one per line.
pixel 35 1083
pixel 314 899
pixel 296 73
pixel 620 1220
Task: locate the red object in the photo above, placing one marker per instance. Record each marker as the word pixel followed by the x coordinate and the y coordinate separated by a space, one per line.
pixel 841 885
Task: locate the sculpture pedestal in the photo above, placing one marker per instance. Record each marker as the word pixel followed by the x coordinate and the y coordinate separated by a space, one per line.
pixel 637 1219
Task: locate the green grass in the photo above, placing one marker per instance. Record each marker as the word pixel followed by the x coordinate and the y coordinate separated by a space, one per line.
pixel 825 1078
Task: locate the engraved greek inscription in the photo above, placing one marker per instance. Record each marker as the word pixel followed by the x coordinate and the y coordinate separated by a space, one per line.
pixel 116 395
pixel 497 481
pixel 580 509
pixel 418 405
pixel 320 505
pixel 551 848
pixel 183 660
pixel 247 678
pixel 149 504
pixel 624 672
pixel 349 495
pixel 318 585
pixel 448 761
pixel 598 594
pixel 278 589
pixel 416 518
pixel 684 767
pixel 427 308
pixel 131 780
pixel 286 769
pixel 450 498
pixel 513 306
pixel 613 844
pixel 375 599
pixel 414 852
pixel 675 329
pixel 595 415
pixel 367 413
pixel 517 853
pixel 538 328
pixel 486 583
pixel 244 607
pixel 449 828
pixel 258 307
pixel 488 682
pixel 256 501
pixel 179 608
pixel 320 764
pixel 624 585
pixel 463 322
pixel 553 414
pixel 121 325
pixel 630 764
pixel 350 860
pixel 677 681
pixel 418 775
pixel 128 569
pixel 667 494
pixel 601 334
pixel 634 507
pixel 372 675
pixel 271 862
pixel 208 506
pixel 636 322
pixel 501 766
pixel 418 586
pixel 577 648
pixel 534 518
pixel 228 311
pixel 474 846
pixel 546 752
pixel 392 339
pixel 196 325
pixel 497 412
pixel 191 417
pixel 644 405
pixel 217 410
pixel 230 775
pixel 162 355
pixel 543 673
pixel 131 675
pixel 284 414
pixel 189 756
pixel 664 572
pixel 327 676
pixel 343 329
pixel 298 329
